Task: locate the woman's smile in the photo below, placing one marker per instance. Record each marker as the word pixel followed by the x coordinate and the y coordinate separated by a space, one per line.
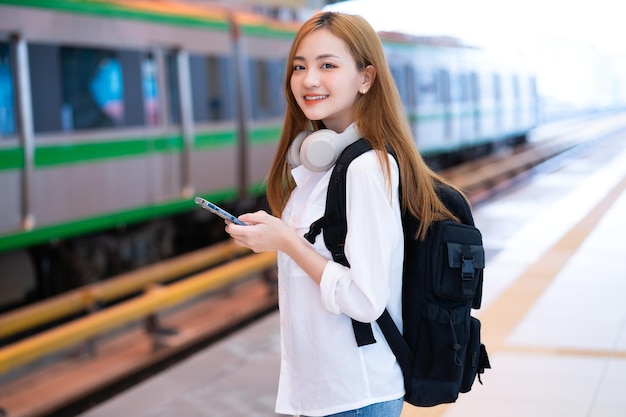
pixel 315 98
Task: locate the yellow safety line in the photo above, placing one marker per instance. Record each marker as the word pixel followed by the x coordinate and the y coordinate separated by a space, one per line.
pixel 544 350
pixel 509 309
pixel 502 316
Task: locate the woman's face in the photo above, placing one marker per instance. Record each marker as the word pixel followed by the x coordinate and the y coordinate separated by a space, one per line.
pixel 325 80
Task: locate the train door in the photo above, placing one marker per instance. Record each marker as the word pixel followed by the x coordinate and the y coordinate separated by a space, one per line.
pixel 264 56
pixel 18 278
pixel 11 159
pixel 266 99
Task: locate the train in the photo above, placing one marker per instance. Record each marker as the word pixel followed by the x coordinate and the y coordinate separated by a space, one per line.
pixel 114 115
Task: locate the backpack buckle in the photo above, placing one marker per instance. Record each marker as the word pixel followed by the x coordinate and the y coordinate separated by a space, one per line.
pixel 467 271
pixel 314 230
pixel 467 263
pixel 467 268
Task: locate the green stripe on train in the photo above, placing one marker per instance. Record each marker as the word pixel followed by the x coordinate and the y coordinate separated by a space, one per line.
pixel 73 153
pixel 11 159
pixel 107 221
pixel 82 227
pixel 269 134
pixel 52 155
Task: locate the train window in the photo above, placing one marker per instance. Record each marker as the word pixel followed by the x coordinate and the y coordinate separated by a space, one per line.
pixel 427 88
pixel 532 86
pixel 211 89
pixel 149 78
pixel 86 88
pixel 7 100
pixel 405 82
pixel 263 73
pixel 107 88
pixel 92 88
pixel 443 86
pixel 277 77
pixel 516 89
pixel 486 86
pixel 463 88
pixel 46 87
pixel 410 86
pixel 474 87
pixel 497 88
pixel 172 87
pixel 266 88
pixel 400 81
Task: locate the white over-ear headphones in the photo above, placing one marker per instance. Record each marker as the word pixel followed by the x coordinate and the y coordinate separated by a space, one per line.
pixel 318 150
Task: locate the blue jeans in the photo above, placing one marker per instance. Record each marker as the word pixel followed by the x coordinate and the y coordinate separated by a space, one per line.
pixel 391 408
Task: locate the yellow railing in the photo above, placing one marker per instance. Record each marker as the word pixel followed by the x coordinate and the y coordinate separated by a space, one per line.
pixel 152 301
pixel 83 299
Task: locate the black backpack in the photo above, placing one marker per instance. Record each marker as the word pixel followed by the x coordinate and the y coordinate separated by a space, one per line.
pixel 440 352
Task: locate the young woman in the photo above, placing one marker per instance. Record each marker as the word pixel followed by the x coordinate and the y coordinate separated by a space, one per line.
pixel 338 78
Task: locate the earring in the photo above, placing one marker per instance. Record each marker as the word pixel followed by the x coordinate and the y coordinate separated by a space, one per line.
pixel 363 91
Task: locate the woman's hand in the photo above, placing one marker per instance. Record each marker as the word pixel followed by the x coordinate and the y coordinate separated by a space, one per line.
pixel 263 232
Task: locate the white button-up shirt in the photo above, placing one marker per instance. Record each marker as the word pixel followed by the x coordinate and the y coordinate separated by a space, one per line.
pixel 323 371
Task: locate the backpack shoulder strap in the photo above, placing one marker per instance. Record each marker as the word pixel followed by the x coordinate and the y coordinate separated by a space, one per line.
pixel 334 220
pixel 335 224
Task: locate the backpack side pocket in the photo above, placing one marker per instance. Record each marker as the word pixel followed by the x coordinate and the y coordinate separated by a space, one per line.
pixel 442 347
pixel 472 357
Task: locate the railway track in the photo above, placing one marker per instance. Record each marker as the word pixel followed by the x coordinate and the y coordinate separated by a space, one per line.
pixel 46 374
pixel 482 178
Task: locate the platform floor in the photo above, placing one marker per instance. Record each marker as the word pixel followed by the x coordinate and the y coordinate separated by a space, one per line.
pixel 554 314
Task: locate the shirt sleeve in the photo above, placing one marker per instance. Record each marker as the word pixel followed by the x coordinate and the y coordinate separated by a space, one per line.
pixel 372 243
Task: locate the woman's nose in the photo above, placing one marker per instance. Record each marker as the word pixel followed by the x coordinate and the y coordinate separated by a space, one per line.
pixel 311 79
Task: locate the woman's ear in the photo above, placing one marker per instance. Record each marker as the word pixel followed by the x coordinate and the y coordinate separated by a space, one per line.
pixel 369 75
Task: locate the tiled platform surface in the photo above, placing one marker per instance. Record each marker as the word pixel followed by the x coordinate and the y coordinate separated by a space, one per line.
pixel 554 315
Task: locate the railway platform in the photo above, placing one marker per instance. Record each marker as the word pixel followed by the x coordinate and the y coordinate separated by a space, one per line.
pixel 553 314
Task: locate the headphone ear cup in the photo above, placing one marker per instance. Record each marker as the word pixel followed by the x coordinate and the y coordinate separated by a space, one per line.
pixel 320 150
pixel 293 153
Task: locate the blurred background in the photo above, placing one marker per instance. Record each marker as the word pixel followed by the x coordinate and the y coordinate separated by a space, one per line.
pixel 114 114
pixel 576 47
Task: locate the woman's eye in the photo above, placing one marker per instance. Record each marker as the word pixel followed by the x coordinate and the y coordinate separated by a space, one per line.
pixel 327 66
pixel 298 67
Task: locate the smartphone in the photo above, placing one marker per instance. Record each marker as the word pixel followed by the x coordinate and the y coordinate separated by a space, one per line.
pixel 207 205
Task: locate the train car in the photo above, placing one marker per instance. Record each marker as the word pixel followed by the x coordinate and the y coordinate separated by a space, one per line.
pixel 460 100
pixel 114 115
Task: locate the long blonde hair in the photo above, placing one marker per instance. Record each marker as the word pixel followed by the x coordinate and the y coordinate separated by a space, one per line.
pixel 379 115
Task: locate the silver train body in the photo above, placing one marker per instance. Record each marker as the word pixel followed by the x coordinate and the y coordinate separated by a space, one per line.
pixel 114 115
